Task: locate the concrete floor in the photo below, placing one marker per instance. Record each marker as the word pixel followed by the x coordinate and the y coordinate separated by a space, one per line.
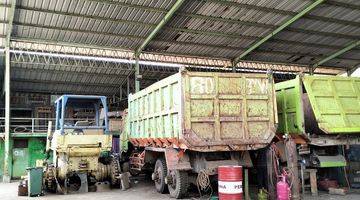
pixel 141 190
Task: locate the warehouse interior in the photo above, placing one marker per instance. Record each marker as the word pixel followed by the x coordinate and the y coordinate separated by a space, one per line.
pixel 113 48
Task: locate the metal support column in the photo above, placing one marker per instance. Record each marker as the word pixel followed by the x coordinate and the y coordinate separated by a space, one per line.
pixel 234 67
pixel 137 75
pixel 292 163
pixel 270 173
pixel 247 194
pixel 8 150
pixel 8 141
pixel 311 70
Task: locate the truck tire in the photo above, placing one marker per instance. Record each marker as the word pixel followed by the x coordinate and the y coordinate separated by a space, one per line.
pixel 160 173
pixel 115 172
pixel 179 184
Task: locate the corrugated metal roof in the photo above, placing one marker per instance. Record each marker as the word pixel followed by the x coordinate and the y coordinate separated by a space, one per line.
pixel 209 28
pixel 255 19
pixel 65 21
pixel 313 30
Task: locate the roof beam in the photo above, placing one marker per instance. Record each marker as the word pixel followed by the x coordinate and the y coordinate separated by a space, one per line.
pixel 89 87
pixel 85 89
pixel 85 92
pixel 336 54
pixel 158 28
pixel 66 82
pixel 79 75
pixel 163 59
pixel 63 72
pixel 277 30
pixel 4 22
pixel 4 5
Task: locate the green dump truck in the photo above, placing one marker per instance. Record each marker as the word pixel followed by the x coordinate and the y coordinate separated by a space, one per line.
pixel 193 122
pixel 321 113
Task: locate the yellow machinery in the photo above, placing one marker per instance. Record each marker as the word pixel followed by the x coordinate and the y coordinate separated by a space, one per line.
pixel 80 146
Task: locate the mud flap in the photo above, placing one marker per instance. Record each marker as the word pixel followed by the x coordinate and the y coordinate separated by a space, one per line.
pixel 177 159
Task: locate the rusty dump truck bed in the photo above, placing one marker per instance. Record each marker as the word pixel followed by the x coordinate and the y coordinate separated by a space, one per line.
pixel 204 111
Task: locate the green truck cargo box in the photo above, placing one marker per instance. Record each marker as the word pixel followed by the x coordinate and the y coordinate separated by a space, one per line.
pixel 204 111
pixel 320 105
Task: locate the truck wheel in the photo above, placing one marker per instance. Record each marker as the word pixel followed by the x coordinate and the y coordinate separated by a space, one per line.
pixel 50 179
pixel 178 184
pixel 160 172
pixel 115 172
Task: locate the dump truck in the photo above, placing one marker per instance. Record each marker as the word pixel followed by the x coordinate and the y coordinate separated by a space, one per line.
pixel 321 113
pixel 192 122
pixel 80 145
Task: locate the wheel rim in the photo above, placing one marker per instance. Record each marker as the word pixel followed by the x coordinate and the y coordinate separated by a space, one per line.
pixel 158 176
